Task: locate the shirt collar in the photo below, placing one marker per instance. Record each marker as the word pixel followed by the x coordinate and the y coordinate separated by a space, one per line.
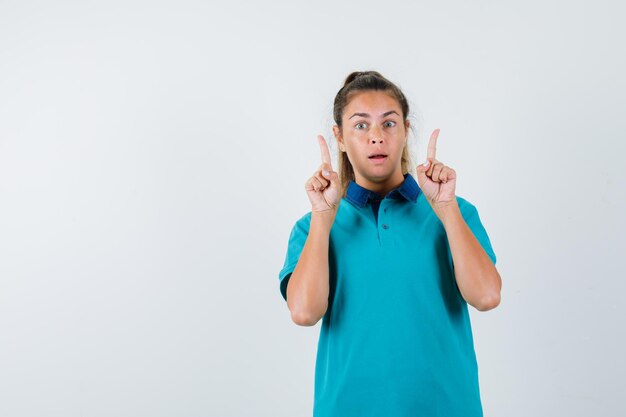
pixel 360 196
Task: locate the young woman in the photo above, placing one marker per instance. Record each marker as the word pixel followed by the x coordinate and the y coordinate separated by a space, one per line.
pixel 390 264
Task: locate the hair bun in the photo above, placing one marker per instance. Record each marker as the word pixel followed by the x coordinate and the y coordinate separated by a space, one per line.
pixel 358 74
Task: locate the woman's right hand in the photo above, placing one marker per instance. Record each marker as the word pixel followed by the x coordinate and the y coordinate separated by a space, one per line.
pixel 323 191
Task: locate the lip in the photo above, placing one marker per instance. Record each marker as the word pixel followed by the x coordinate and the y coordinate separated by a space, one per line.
pixel 378 161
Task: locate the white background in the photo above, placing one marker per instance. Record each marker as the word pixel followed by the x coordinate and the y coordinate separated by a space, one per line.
pixel 152 163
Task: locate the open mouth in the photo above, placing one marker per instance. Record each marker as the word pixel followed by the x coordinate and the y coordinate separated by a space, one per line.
pixel 378 157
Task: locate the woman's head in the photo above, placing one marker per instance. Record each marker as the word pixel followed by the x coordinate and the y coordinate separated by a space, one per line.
pixel 371 114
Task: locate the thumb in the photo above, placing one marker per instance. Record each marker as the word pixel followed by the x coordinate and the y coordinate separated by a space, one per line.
pixel 330 175
pixel 421 171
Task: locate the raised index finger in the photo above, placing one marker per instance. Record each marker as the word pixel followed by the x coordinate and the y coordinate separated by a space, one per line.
pixel 432 144
pixel 325 151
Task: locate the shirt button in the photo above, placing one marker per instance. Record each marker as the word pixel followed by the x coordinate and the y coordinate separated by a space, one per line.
pixel 385 226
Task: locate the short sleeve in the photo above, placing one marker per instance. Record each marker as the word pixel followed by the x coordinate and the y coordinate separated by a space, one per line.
pixel 471 217
pixel 297 239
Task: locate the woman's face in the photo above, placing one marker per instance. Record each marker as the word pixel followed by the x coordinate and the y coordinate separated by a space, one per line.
pixel 372 125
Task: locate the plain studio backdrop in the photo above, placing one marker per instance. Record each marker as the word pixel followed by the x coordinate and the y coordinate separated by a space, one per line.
pixel 153 157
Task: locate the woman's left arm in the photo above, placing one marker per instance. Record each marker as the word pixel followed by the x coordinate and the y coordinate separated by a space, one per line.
pixel 476 276
pixel 475 273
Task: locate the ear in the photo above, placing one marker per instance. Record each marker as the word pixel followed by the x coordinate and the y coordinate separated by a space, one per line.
pixel 337 133
pixel 407 125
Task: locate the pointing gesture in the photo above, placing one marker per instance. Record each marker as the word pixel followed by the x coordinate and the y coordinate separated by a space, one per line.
pixel 432 145
pixel 324 150
pixel 323 187
pixel 436 180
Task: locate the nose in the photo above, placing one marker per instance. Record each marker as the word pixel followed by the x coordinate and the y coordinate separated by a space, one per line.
pixel 376 135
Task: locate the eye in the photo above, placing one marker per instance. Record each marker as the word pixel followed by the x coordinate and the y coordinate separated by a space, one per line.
pixel 358 124
pixel 392 123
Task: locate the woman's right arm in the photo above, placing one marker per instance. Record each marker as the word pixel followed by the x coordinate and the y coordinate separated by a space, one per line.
pixel 308 286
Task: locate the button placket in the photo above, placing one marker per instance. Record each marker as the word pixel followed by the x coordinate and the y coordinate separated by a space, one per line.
pixel 384 221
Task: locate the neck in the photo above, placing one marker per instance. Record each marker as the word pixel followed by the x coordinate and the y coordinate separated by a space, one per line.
pixel 380 186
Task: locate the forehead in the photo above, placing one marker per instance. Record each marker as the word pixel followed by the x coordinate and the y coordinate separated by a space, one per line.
pixel 373 102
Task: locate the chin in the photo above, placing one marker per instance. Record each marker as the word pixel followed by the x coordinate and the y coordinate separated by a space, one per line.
pixel 379 176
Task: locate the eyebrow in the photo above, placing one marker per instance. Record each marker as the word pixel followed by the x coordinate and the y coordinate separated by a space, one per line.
pixel 367 115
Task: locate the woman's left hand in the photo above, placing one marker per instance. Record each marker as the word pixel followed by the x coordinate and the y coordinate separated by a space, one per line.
pixel 436 180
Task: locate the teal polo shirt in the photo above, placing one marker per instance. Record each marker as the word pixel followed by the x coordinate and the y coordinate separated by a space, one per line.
pixel 396 339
